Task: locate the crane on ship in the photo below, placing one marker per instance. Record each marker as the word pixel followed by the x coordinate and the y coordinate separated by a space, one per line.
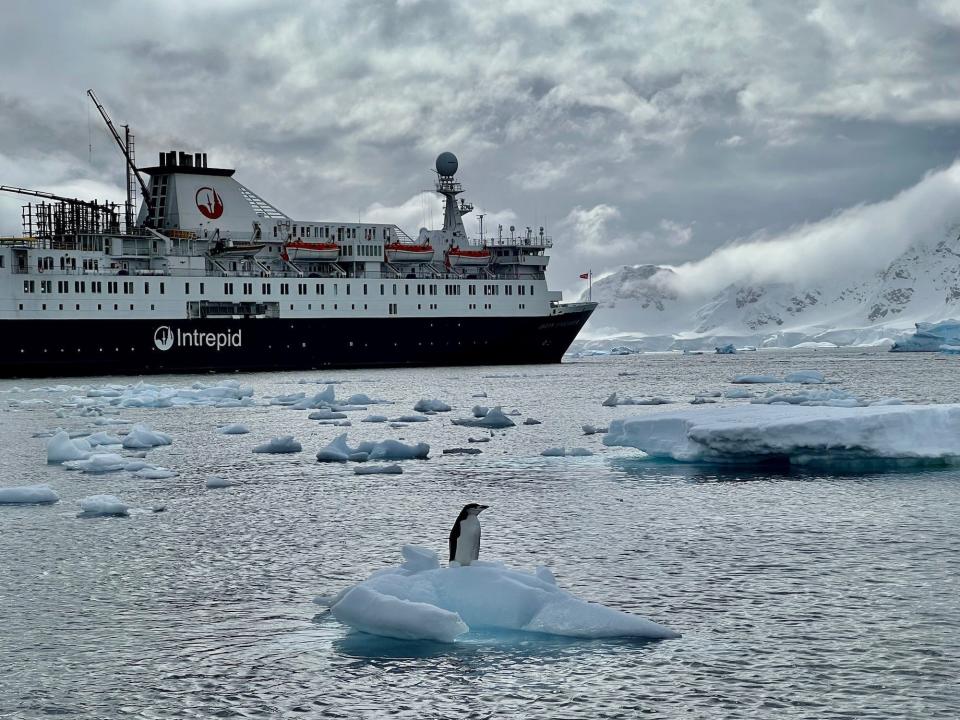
pixel 133 175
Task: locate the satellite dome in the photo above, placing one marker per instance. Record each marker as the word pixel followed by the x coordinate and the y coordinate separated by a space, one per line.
pixel 446 164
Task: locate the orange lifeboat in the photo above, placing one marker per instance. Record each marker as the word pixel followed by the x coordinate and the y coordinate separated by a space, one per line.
pixel 298 250
pixel 460 256
pixel 408 252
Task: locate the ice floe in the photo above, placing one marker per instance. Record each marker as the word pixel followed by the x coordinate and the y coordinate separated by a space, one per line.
pixel 279 445
pixel 28 495
pixel 842 436
pixel 831 397
pixel 494 418
pixel 594 429
pixel 461 451
pixel 155 473
pixel 226 393
pixel 420 600
pixel 614 401
pixel 233 429
pixel 326 414
pixel 214 483
pixel 805 377
pixel 378 470
pixel 737 394
pixel 375 419
pixel 102 505
pixel 532 421
pixel 98 463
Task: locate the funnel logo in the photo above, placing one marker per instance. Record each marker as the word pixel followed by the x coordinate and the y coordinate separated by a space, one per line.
pixel 163 338
pixel 209 203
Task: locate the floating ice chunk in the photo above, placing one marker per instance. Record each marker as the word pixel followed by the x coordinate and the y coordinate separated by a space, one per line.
pixel 233 429
pixel 418 558
pixel 593 429
pixel 514 413
pixel 214 483
pixel 611 400
pixel 357 456
pixel 478 440
pixel 396 450
pixel 848 437
pixel 336 451
pixel 702 401
pixel 104 438
pixel 831 397
pixel 554 452
pixel 412 419
pixel 754 379
pixel 709 393
pixel 378 470
pixel 805 377
pixel 727 349
pixel 737 394
pixel 324 398
pixel 141 436
pixel 480 411
pixel 155 473
pixel 419 600
pixel 28 495
pixel 60 448
pixel 494 418
pixel 362 399
pixel 98 463
pixel 375 419
pixel 398 425
pixel 102 505
pixel 278 445
pixel 424 405
pixel 579 452
pixel 289 399
pixel 462 451
pixel 135 465
pixel 326 415
pixel 532 421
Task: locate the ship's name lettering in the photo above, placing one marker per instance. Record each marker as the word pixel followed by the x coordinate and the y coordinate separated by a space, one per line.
pixel 166 338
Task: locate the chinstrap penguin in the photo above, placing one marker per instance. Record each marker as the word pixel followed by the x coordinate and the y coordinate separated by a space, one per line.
pixel 465 535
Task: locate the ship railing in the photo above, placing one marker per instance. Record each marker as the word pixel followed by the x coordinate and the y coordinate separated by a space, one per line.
pixel 533 242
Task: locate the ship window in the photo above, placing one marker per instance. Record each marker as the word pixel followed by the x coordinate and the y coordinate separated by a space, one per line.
pixel 162 288
pixel 392 308
pixel 274 230
pixel 348 288
pixel 381 288
pixel 364 288
pixel 265 288
pixel 531 289
pixel 146 288
pixel 316 289
pixel 406 289
pixel 186 288
pixel 201 288
pixel 394 288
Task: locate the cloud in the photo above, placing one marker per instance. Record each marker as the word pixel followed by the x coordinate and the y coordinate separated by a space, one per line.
pixel 861 238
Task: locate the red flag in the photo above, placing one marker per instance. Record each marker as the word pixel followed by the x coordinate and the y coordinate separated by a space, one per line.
pixel 584 276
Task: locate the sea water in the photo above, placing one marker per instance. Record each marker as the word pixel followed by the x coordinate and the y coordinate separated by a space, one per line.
pixel 799 595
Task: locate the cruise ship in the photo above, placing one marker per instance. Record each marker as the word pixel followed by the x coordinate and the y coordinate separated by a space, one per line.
pixel 205 275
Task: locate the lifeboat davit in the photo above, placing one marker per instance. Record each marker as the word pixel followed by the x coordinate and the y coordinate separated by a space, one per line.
pixel 460 256
pixel 235 250
pixel 298 250
pixel 408 252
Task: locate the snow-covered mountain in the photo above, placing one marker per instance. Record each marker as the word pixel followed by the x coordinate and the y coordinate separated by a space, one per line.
pixel 647 306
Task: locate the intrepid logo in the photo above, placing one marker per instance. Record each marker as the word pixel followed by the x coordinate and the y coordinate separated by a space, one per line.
pixel 165 338
pixel 209 203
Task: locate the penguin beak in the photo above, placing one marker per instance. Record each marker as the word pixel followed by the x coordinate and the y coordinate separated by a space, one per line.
pixel 482 508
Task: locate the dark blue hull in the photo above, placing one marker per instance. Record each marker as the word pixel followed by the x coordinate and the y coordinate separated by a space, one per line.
pixel 41 348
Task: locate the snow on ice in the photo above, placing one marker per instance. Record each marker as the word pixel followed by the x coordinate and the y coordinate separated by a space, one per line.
pixel 142 436
pixel 563 452
pixel 425 405
pixel 843 436
pixel 614 401
pixel 61 448
pixel 420 600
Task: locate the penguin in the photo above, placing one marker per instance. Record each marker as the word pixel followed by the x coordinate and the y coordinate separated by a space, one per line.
pixel 465 535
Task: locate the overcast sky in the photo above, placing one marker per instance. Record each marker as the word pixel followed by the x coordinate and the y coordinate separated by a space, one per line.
pixel 635 132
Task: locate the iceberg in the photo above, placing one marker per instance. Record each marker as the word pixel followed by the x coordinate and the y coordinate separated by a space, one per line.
pixel 929 337
pixel 728 349
pixel 846 437
pixel 279 445
pixel 425 405
pixel 98 463
pixel 594 429
pixel 96 505
pixel 422 601
pixel 28 495
pixel 339 451
pixel 60 448
pixel 494 418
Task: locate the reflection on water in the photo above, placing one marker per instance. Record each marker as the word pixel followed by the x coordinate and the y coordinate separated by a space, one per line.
pixel 799 592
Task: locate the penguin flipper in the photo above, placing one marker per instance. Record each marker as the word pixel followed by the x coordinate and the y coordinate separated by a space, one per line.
pixel 454 536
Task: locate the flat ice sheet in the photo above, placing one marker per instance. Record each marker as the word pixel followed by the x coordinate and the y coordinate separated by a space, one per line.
pixel 922 434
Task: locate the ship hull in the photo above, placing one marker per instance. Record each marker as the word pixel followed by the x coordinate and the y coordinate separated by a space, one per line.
pixel 46 348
